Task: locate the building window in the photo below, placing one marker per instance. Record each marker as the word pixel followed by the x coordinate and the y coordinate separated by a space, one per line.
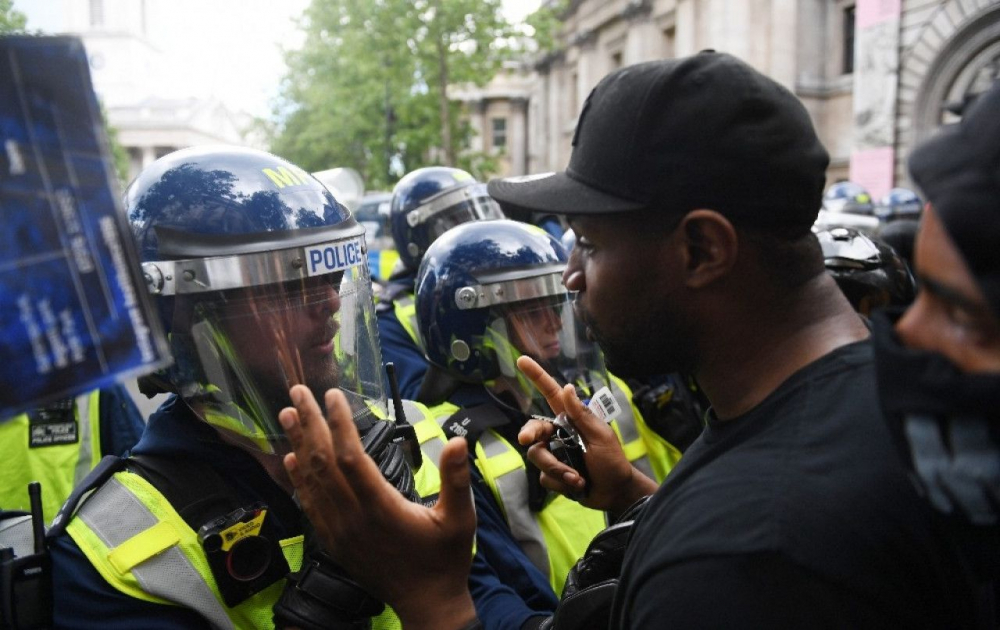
pixel 848 40
pixel 96 13
pixel 616 60
pixel 499 133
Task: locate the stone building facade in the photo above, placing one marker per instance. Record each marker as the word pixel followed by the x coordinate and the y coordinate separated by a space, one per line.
pixel 875 75
pixel 127 68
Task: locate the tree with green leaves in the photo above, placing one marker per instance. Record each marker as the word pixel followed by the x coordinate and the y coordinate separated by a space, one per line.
pixel 369 89
pixel 11 20
pixel 545 23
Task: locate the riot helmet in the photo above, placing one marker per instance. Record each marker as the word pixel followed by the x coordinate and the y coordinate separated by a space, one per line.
pixel 568 240
pixel 428 202
pixel 261 279
pixel 848 197
pixel 901 236
pixel 867 271
pixel 488 293
pixel 900 203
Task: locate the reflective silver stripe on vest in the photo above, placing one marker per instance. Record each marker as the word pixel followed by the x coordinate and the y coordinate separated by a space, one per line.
pixel 628 429
pixel 18 533
pixel 85 457
pixel 513 489
pixel 411 411
pixel 431 448
pixel 116 515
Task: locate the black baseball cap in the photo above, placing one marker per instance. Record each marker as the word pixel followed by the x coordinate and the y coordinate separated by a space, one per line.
pixel 958 170
pixel 706 131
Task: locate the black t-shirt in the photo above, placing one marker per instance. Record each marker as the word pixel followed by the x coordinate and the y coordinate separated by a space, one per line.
pixel 797 513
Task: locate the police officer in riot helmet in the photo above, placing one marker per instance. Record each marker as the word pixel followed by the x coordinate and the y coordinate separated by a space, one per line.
pixel 899 204
pixel 900 235
pixel 425 204
pixel 487 294
pixel 867 271
pixel 848 197
pixel 261 279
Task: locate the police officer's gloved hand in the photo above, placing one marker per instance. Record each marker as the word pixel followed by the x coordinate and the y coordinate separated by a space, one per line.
pixel 321 595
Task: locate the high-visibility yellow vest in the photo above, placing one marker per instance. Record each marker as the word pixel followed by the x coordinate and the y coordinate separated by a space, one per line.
pixel 142 547
pixel 387 259
pixel 57 456
pixel 555 537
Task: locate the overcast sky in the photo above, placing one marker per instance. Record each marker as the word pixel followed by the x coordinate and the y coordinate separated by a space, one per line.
pixel 198 37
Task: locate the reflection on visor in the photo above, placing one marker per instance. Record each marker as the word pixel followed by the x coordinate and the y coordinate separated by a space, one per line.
pixel 299 293
pixel 247 347
pixel 546 330
pixel 474 209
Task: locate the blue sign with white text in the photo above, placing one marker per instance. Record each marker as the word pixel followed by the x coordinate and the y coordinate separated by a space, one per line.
pixel 74 314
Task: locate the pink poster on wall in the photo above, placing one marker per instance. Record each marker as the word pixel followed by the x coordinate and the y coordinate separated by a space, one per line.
pixel 872 12
pixel 874 169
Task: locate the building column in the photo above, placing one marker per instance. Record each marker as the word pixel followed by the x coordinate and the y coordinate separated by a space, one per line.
pixel 642 38
pixel 555 118
pixel 687 28
pixel 148 156
pixel 588 70
pixel 784 53
pixel 518 135
pixel 476 120
pixel 876 69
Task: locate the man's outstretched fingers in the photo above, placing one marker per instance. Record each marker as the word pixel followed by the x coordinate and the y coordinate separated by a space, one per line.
pixel 289 420
pixel 358 469
pixel 455 500
pixel 305 404
pixel 314 448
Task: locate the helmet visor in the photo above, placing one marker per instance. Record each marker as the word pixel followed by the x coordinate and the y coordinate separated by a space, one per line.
pixel 471 203
pixel 546 330
pixel 246 347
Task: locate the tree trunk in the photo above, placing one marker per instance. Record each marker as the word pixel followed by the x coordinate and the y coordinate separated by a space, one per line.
pixel 442 50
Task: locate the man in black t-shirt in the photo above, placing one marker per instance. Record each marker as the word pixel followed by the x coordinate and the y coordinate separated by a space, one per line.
pixel 692 188
pixel 939 362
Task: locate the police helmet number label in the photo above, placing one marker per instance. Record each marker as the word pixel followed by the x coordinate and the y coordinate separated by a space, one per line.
pixel 332 257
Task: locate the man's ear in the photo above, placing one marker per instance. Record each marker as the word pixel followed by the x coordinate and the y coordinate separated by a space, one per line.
pixel 710 247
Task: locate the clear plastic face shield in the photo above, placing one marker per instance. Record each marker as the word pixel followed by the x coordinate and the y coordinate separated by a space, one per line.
pixel 534 317
pixel 239 350
pixel 440 214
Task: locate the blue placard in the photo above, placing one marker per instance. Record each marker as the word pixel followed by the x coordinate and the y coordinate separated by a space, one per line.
pixel 74 313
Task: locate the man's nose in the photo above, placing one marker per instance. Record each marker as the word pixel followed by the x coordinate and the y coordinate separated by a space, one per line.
pixel 324 302
pixel 553 320
pixel 572 276
pixel 911 325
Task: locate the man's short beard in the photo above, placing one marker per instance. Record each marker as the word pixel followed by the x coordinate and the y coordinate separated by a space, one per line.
pixel 642 354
